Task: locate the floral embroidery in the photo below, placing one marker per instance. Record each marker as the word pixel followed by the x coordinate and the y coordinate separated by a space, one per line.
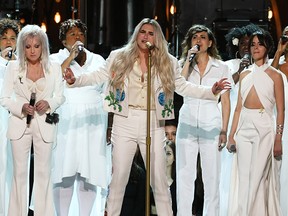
pixel 20 76
pixel 235 41
pixel 114 100
pixel 161 98
pixel 168 107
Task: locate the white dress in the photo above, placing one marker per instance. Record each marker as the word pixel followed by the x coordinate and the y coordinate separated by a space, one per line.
pixel 81 141
pixel 226 157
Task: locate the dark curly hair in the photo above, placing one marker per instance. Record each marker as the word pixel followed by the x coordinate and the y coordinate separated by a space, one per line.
pixel 6 24
pixel 68 24
pixel 238 32
pixel 264 38
pixel 186 44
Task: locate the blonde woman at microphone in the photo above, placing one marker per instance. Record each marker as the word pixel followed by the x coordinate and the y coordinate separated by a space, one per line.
pixel 203 124
pixel 126 69
pixel 32 72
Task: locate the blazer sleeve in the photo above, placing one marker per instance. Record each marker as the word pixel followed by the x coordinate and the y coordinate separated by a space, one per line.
pixel 6 99
pixel 58 95
pixel 99 76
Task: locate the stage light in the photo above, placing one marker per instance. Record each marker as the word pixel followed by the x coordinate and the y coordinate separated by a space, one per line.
pixel 57 17
pixel 172 9
pixel 22 21
pixel 270 13
pixel 43 26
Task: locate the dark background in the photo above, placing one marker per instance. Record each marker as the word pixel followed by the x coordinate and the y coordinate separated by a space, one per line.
pixel 111 22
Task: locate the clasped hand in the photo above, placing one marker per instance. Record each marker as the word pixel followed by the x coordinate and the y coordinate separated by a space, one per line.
pixel 41 107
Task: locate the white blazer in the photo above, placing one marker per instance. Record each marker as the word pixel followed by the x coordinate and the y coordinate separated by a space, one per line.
pixel 163 111
pixel 15 94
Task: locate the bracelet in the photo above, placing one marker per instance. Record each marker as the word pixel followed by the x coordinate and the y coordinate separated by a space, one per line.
pixel 223 133
pixel 279 127
pixel 109 128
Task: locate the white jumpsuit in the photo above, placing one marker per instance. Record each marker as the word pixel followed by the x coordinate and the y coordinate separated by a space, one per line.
pixel 198 130
pixel 254 186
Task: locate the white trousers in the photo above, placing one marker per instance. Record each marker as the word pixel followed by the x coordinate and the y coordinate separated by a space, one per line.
pixel 6 170
pixel 255 182
pixel 191 140
pixel 42 187
pixel 127 133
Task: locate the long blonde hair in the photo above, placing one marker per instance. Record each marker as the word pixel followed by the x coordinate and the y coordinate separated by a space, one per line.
pixel 161 59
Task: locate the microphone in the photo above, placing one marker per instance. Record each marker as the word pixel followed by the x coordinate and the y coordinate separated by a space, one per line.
pixel 232 148
pixel 31 103
pixel 192 56
pixel 284 39
pixel 247 56
pixel 149 45
pixel 10 54
pixel 80 48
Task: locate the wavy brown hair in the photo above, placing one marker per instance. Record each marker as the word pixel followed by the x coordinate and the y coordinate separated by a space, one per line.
pixel 186 44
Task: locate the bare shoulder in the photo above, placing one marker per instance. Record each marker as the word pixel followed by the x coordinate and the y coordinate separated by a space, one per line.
pixel 244 73
pixel 273 73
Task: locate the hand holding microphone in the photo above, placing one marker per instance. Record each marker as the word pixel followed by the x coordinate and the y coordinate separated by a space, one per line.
pixel 244 63
pixel 194 51
pixel 7 53
pixel 31 103
pixel 77 48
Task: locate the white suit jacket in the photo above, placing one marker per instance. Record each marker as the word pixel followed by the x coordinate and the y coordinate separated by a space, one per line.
pixel 117 102
pixel 15 94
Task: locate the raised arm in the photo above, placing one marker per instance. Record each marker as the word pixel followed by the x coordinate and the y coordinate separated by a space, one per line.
pixel 280 50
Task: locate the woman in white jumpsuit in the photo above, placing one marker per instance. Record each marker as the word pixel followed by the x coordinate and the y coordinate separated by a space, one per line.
pixel 254 188
pixel 202 124
pixel 237 43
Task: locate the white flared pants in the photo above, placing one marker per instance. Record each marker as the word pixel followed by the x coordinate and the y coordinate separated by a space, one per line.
pixel 42 188
pixel 127 133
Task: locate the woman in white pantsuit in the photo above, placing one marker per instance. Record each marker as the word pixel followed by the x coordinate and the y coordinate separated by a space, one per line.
pixel 126 69
pixel 254 188
pixel 32 73
pixel 202 124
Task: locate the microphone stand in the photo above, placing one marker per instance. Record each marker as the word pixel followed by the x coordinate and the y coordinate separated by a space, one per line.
pixel 148 137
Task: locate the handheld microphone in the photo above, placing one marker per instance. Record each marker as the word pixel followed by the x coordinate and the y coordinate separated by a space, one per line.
pixel 284 39
pixel 192 56
pixel 232 148
pixel 247 56
pixel 10 54
pixel 31 103
pixel 80 48
pixel 149 45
